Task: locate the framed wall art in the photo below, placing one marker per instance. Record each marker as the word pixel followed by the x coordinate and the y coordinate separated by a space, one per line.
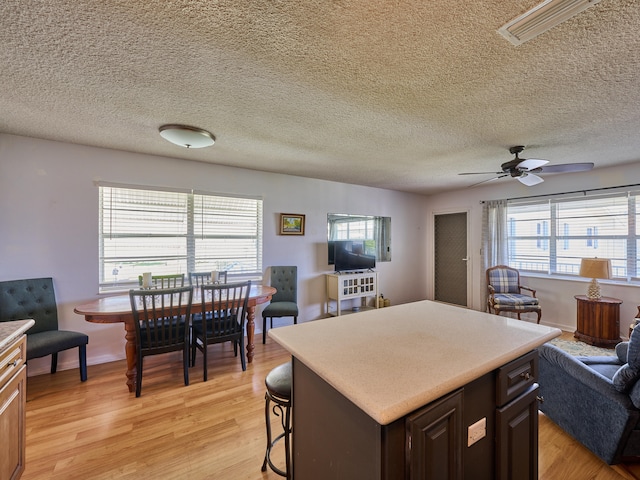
pixel 291 224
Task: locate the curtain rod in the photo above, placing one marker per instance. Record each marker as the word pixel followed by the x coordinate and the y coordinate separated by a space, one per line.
pixel 584 192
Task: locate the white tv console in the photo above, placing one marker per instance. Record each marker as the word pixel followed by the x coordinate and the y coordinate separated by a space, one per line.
pixel 350 285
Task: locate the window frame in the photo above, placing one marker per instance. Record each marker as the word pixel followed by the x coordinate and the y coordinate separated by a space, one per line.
pixel 626 267
pixel 196 223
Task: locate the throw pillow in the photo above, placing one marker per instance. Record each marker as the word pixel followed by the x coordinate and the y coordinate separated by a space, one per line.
pixel 629 373
pixel 621 351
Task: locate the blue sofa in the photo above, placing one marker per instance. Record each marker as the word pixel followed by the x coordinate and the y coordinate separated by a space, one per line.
pixel 595 399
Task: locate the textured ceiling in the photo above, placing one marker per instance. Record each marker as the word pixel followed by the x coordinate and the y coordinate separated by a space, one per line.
pixel 400 95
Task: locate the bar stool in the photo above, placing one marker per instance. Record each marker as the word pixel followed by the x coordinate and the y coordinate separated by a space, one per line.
pixel 278 384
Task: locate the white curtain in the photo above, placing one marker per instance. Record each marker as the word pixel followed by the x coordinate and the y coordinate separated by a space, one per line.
pixel 495 247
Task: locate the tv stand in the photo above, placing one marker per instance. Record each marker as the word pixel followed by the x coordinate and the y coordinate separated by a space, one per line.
pixel 350 285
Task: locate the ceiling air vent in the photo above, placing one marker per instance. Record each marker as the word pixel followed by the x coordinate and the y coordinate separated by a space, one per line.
pixel 542 18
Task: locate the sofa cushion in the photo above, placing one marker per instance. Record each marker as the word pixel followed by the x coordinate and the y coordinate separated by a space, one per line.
pixel 629 373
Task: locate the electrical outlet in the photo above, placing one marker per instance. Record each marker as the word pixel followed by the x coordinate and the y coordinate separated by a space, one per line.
pixel 477 431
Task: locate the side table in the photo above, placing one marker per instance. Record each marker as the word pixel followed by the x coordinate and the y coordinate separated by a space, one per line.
pixel 598 321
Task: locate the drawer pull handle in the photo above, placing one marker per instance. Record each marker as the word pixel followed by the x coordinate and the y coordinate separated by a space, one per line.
pixel 540 399
pixel 13 364
pixel 525 375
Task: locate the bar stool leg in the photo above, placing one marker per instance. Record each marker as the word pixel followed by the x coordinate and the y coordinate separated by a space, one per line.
pixel 280 409
pixel 267 421
pixel 287 441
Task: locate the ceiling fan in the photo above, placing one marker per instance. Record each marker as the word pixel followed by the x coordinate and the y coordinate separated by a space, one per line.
pixel 525 170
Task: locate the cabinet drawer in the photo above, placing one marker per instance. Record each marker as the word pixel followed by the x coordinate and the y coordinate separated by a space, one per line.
pixel 515 377
pixel 12 359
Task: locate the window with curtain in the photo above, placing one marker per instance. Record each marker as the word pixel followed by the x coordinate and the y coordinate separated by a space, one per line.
pixel 552 235
pixel 167 232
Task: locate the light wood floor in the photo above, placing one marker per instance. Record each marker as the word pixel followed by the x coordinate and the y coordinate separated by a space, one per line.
pixel 213 429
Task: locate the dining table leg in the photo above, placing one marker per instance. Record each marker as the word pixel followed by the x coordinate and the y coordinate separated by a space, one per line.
pixel 130 352
pixel 251 326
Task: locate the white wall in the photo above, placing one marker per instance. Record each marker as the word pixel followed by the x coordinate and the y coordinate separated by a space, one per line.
pixel 556 295
pixel 49 226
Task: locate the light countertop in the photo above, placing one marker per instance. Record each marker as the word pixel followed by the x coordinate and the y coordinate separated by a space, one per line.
pixel 393 360
pixel 9 331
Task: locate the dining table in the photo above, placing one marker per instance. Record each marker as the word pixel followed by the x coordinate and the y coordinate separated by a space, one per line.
pixel 117 309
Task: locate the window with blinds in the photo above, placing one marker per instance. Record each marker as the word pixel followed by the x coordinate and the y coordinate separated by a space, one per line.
pixel 167 232
pixel 552 235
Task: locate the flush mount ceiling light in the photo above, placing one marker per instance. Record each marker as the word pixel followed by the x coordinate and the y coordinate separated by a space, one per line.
pixel 185 136
pixel 542 18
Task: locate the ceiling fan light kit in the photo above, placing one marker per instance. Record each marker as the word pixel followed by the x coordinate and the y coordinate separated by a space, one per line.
pixel 186 136
pixel 541 18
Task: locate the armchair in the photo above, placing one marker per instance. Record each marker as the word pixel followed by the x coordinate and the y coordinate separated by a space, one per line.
pixel 505 292
pixel 595 399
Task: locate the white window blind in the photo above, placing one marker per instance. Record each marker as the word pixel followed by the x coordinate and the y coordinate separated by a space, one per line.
pixel 166 232
pixel 552 235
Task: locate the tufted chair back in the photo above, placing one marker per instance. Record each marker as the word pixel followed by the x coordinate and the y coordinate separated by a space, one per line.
pixel 35 298
pixel 285 280
pixel 30 298
pixel 284 301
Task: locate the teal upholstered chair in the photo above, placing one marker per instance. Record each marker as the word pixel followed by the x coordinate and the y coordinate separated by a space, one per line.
pixel 35 298
pixel 284 302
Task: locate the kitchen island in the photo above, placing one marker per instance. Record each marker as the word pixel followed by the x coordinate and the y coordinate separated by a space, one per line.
pixel 420 390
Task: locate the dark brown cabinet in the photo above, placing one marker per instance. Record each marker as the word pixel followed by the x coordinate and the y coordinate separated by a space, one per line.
pixel 517 437
pixel 434 440
pixel 485 430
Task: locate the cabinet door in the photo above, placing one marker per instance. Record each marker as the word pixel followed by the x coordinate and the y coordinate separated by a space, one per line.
pixel 517 438
pixel 434 439
pixel 12 428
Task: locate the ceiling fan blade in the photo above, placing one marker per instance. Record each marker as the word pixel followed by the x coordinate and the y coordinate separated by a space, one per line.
pixel 481 173
pixel 529 179
pixel 566 168
pixel 531 164
pixel 487 180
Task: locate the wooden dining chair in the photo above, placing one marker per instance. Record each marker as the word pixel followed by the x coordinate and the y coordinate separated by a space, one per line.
pixel 174 280
pixel 221 319
pixel 203 278
pixel 161 318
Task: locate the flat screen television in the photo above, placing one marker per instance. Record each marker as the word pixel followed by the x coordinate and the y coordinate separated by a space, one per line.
pixel 351 255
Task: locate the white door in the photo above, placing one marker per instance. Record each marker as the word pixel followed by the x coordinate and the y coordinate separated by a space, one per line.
pixel 450 258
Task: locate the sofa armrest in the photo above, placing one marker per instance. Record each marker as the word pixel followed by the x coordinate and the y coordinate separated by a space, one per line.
pixel 585 404
pixel 588 378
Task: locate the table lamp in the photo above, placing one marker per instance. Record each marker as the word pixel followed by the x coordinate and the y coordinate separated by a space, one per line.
pixel 595 268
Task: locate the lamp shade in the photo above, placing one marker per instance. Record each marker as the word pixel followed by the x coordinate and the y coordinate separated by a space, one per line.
pixel 185 136
pixel 595 268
